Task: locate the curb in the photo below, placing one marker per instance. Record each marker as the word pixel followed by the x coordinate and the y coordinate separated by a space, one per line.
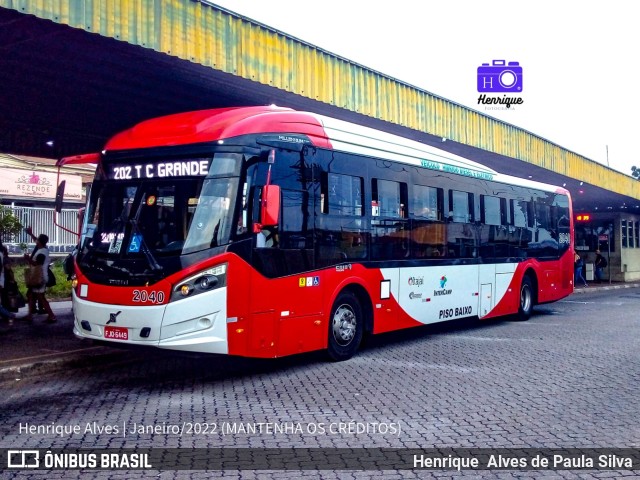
pixel 82 358
pixel 600 287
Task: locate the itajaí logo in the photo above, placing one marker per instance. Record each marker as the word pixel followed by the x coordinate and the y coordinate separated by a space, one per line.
pixel 443 290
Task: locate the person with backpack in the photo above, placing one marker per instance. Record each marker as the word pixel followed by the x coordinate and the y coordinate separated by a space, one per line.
pixel 39 257
pixel 600 265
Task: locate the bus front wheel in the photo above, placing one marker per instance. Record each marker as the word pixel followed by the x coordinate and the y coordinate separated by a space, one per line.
pixel 345 327
pixel 526 299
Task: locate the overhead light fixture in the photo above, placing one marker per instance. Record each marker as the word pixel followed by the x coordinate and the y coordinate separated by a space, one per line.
pixel 581 183
pixel 50 143
pixel 444 139
pixel 564 184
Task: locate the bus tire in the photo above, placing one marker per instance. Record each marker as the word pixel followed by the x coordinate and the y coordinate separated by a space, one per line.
pixel 525 306
pixel 345 327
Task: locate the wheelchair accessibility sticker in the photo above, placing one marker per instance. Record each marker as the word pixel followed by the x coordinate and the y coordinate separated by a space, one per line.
pixel 309 281
pixel 136 241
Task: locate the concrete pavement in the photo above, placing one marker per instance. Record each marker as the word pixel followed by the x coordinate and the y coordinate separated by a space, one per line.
pixel 28 348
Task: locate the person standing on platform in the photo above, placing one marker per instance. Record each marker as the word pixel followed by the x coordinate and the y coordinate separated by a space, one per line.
pixel 39 257
pixel 4 313
pixel 600 265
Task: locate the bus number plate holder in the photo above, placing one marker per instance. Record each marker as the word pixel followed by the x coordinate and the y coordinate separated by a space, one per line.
pixel 116 333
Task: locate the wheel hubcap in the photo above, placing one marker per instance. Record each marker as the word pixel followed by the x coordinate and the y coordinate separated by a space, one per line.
pixel 525 298
pixel 344 325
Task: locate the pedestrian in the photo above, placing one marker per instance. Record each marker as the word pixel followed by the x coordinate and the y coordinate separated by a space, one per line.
pixel 4 313
pixel 577 267
pixel 39 308
pixel 39 257
pixel 600 265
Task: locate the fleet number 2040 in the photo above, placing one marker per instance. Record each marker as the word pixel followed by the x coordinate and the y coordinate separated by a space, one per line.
pixel 142 296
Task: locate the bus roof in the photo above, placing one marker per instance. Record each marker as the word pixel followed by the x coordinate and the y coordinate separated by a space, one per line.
pixel 213 125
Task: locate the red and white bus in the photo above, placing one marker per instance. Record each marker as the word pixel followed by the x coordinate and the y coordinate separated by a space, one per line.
pixel 264 232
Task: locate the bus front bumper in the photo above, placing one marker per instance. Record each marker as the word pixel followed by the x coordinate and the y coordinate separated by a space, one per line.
pixel 196 324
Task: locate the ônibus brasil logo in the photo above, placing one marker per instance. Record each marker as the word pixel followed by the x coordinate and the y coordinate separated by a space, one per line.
pixel 499 77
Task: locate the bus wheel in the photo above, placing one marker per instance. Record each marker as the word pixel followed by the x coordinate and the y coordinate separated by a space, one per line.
pixel 526 299
pixel 345 327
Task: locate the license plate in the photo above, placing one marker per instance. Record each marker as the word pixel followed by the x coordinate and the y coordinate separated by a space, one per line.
pixel 117 333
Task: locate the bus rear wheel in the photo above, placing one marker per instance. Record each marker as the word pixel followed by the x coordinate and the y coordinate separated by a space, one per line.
pixel 526 299
pixel 345 327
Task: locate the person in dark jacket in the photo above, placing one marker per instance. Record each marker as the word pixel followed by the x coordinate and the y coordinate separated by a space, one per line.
pixel 4 313
pixel 600 265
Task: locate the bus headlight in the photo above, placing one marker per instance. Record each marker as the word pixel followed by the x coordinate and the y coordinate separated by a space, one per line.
pixel 203 281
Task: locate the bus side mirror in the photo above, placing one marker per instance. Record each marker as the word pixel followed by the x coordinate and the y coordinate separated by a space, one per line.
pixel 60 196
pixel 270 208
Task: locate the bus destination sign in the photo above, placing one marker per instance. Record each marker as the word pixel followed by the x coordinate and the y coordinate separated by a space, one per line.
pixel 183 168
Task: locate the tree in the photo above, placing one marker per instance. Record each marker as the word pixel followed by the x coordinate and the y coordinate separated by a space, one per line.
pixel 635 171
pixel 9 224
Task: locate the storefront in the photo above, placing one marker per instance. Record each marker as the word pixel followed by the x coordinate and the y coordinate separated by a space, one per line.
pixel 28 188
pixel 617 236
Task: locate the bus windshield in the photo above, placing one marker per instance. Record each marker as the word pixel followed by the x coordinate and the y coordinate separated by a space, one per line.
pixel 136 225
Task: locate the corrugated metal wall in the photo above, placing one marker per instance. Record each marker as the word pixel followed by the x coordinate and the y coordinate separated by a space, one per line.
pixel 202 33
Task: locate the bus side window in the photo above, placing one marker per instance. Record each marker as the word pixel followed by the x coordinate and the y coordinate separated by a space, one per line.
pixel 389 235
pixel 461 241
pixel 341 194
pixel 428 237
pixel 388 198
